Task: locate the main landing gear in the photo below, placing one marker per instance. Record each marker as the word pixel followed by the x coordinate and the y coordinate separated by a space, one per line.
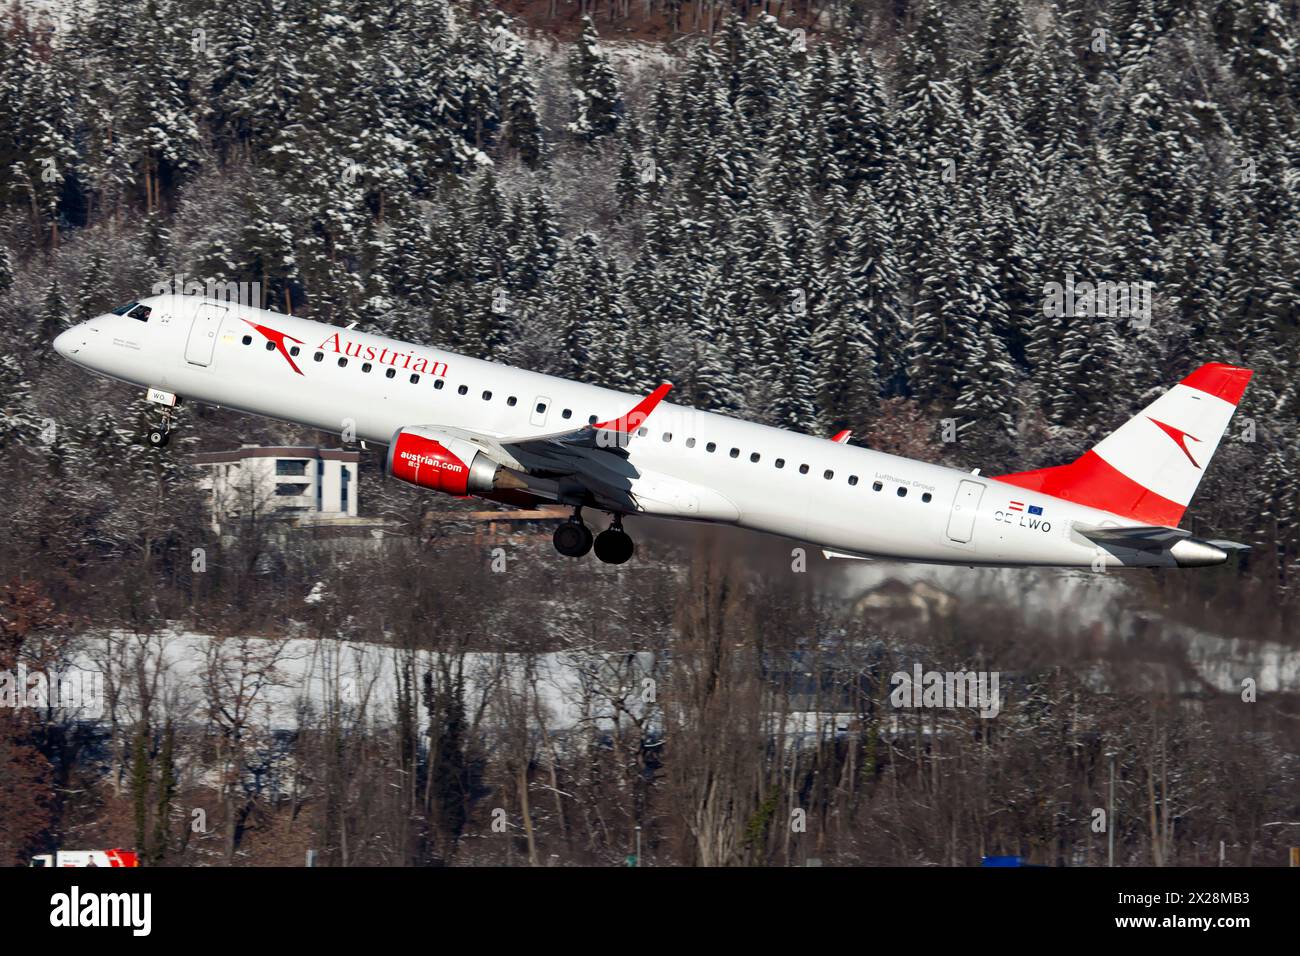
pixel 573 538
pixel 613 545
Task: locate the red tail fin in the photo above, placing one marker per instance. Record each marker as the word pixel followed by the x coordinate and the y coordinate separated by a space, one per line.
pixel 1148 469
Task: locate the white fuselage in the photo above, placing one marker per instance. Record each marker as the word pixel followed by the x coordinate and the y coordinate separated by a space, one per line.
pixel 690 464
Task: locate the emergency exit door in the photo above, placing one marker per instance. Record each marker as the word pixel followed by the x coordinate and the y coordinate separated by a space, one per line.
pixel 961 523
pixel 203 333
pixel 540 407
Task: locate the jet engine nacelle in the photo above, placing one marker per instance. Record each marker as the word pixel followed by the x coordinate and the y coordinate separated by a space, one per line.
pixel 432 459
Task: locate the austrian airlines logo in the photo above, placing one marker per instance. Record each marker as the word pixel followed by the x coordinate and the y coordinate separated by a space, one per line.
pixel 1180 438
pixel 278 338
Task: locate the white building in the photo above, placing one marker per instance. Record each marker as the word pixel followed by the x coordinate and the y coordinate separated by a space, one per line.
pixel 311 484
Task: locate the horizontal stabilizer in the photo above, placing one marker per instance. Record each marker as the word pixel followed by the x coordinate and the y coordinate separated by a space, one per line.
pixel 1229 545
pixel 1180 547
pixel 1152 538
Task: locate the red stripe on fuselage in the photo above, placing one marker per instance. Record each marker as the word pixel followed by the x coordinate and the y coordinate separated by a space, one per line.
pixel 1094 482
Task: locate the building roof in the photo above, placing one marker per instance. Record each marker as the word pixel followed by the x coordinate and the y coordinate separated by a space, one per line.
pixel 275 451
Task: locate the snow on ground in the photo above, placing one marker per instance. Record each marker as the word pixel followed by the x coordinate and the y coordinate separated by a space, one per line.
pixel 189 670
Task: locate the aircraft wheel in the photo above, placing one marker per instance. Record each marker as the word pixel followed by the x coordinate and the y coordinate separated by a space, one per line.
pixel 572 539
pixel 614 546
pixel 158 437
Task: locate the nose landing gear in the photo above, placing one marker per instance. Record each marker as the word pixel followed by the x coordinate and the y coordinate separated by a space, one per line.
pixel 157 435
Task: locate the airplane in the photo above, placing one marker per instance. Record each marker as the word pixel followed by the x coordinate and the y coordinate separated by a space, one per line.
pixel 467 427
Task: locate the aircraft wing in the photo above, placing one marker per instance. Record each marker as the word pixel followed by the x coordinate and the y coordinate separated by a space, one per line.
pixel 587 465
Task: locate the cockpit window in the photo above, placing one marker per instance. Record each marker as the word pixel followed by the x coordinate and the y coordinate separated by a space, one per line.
pixel 140 312
pixel 124 309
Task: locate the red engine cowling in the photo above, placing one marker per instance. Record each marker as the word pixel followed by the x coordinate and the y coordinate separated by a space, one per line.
pixel 433 460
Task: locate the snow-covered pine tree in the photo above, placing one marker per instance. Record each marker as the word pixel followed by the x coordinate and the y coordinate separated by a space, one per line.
pixel 597 98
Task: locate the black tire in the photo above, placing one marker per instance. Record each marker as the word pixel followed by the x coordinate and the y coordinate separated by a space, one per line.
pixel 572 539
pixel 614 546
pixel 158 437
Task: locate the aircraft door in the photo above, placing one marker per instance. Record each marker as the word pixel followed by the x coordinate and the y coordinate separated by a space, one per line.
pixel 961 523
pixel 203 333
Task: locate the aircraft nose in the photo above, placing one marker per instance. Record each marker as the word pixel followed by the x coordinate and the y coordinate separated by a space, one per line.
pixel 64 344
pixel 67 343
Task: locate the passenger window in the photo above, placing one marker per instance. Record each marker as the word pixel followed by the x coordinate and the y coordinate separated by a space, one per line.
pixel 876 486
pixel 318 356
pixel 366 366
pixel 643 431
pixel 567 413
pixel 462 390
pixel 390 373
pixel 437 383
pixel 512 401
pixel 294 350
pixel 734 453
pixel 541 408
pixel 415 379
pixel 828 474
pixel 926 497
pixel 343 362
pixel 803 469
pixel 753 456
pixel 591 420
pixel 487 396
pixel 690 443
pixel 270 346
pixel 248 340
pixel 853 479
pixel 780 463
pixel 711 446
pixel 668 436
pixel 902 492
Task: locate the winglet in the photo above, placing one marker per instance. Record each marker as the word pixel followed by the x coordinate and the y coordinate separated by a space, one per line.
pixel 633 419
pixel 842 438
